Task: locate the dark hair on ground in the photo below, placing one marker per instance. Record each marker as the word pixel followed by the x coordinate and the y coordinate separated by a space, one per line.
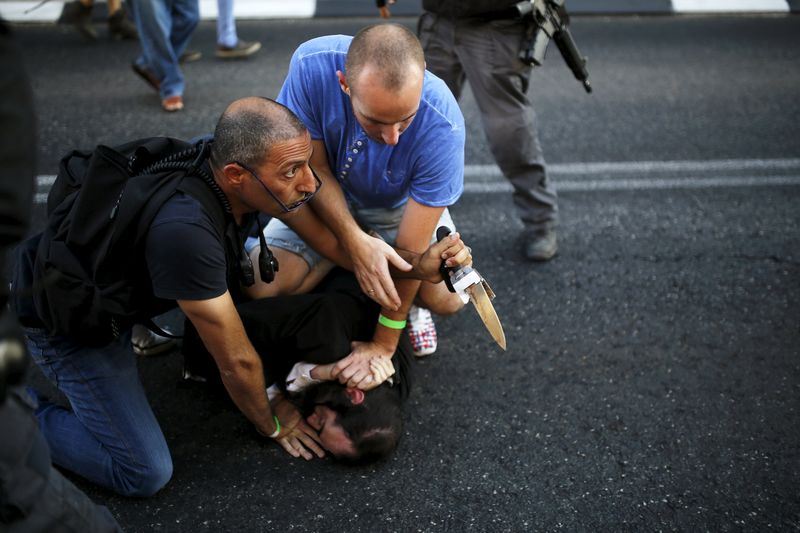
pixel 391 48
pixel 374 426
pixel 249 128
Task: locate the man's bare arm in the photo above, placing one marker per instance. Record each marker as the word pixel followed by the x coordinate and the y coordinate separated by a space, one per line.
pixel 370 257
pixel 416 227
pixel 424 266
pixel 223 334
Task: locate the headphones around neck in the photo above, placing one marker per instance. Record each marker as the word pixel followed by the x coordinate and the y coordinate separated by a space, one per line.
pixel 267 263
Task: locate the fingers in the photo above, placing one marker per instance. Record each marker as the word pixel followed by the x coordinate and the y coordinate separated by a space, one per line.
pixel 338 367
pixel 299 440
pixel 462 258
pixel 365 383
pixel 382 368
pixel 456 253
pixel 378 372
pixel 356 377
pixel 380 288
pixel 385 291
pixel 309 440
pixel 394 258
pixel 347 374
pixel 286 445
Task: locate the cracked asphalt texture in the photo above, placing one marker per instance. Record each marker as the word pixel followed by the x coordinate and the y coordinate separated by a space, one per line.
pixel 653 371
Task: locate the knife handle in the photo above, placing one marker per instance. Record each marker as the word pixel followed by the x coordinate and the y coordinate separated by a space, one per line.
pixel 441 233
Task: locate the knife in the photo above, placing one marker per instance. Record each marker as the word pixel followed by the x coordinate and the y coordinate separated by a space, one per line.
pixel 470 286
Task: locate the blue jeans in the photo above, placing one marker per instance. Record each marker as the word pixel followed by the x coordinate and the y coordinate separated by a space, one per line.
pixel 165 27
pixel 226 24
pixel 111 436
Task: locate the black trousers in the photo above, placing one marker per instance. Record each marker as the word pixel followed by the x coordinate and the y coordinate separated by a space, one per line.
pixel 315 328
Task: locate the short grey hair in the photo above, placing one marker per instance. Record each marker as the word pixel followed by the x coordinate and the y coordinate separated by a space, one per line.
pixel 250 127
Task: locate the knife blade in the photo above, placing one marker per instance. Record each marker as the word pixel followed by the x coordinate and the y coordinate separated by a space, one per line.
pixel 470 286
pixel 483 305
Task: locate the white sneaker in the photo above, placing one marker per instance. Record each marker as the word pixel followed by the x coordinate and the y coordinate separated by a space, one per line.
pixel 145 342
pixel 421 331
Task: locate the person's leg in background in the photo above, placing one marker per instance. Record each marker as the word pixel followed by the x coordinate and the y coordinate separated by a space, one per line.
pixel 228 44
pixel 437 36
pixel 165 27
pixel 119 26
pixel 487 52
pixel 78 13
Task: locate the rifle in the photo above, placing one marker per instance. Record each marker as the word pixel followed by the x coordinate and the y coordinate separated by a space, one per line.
pixel 550 20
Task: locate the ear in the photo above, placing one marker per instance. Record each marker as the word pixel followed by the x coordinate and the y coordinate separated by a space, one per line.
pixel 233 173
pixel 356 395
pixel 343 82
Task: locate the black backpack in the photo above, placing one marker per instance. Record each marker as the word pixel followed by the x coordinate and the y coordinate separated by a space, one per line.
pixel 85 275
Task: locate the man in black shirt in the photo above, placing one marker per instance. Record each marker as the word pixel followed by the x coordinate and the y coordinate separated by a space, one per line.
pixel 260 163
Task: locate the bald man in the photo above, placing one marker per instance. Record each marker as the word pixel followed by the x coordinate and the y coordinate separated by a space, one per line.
pixel 388 141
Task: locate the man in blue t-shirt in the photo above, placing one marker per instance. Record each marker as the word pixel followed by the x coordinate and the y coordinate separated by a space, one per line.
pixel 193 255
pixel 388 140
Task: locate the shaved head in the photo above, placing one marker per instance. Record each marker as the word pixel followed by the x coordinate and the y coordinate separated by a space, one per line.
pixel 390 49
pixel 250 127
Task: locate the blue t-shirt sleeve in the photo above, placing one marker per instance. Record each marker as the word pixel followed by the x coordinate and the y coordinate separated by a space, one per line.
pixel 185 257
pixel 439 174
pixel 298 93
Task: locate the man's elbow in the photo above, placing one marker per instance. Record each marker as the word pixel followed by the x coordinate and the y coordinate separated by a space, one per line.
pixel 236 367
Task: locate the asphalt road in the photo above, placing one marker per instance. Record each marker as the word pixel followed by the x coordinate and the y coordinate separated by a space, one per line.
pixel 653 371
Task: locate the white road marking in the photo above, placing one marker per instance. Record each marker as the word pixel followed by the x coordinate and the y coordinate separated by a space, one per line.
pixel 728 6
pixel 644 184
pixel 615 176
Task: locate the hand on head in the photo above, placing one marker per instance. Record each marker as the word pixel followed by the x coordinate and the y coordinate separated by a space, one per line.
pixel 296 436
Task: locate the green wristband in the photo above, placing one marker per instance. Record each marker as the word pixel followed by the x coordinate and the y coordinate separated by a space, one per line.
pixel 391 324
pixel 277 427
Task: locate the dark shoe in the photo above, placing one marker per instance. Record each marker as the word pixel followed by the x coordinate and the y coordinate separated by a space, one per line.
pixel 172 103
pixel 119 27
pixel 242 49
pixel 79 16
pixel 540 245
pixel 146 342
pixel 190 56
pixel 147 76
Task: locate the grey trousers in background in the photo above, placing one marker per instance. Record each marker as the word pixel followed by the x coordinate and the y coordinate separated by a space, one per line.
pixel 485 54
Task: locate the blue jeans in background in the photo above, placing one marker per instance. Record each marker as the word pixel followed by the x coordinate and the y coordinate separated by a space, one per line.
pixel 226 24
pixel 111 436
pixel 165 27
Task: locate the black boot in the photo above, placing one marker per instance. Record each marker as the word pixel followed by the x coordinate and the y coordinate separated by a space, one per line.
pixel 79 16
pixel 119 27
pixel 540 244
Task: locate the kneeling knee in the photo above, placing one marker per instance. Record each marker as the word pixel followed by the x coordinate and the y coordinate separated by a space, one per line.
pixel 148 479
pixel 447 306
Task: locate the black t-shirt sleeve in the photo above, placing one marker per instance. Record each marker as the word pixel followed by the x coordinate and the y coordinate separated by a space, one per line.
pixel 185 256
